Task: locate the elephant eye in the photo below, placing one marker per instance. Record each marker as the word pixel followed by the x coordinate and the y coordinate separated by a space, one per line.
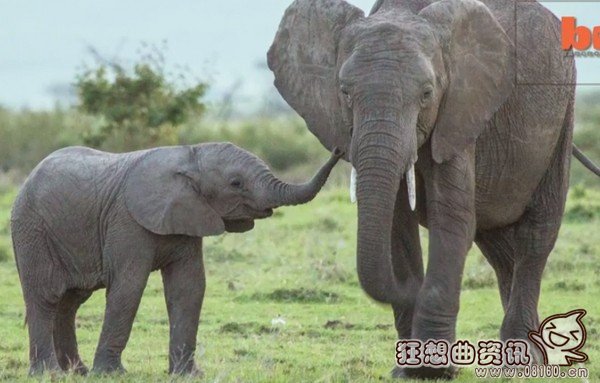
pixel 347 96
pixel 427 95
pixel 236 183
pixel 348 99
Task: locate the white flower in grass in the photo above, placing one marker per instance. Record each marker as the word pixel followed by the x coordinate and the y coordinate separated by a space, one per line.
pixel 278 321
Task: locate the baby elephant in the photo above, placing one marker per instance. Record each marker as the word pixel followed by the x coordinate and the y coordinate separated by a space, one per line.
pixel 86 219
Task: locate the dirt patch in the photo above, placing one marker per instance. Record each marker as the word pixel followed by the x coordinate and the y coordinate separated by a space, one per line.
pixel 300 295
pixel 337 324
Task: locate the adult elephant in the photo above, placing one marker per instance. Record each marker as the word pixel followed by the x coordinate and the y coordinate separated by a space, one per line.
pixel 437 88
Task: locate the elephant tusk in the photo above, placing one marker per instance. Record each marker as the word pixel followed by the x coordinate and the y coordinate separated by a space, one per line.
pixel 412 189
pixel 353 177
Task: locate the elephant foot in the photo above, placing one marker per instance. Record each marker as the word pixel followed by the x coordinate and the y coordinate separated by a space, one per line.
pixel 75 366
pixel 53 371
pixel 79 368
pixel 47 365
pixel 107 362
pixel 108 369
pixel 191 371
pixel 399 373
pixel 445 373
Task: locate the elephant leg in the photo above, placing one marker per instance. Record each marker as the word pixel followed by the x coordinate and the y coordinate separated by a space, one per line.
pixel 521 313
pixel 407 258
pixel 65 340
pixel 451 220
pixel 498 247
pixel 534 241
pixel 184 285
pixel 40 322
pixel 519 276
pixel 123 297
pixel 43 286
pixel 534 237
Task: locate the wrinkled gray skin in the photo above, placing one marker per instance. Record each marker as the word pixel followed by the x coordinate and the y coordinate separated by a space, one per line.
pixel 437 81
pixel 86 219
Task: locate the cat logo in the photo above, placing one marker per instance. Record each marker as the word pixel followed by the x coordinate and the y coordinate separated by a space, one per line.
pixel 560 337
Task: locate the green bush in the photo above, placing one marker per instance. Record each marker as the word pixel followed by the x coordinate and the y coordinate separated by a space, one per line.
pixel 122 110
pixel 5 251
pixel 6 200
pixel 29 136
pixel 137 108
pixel 284 142
pixel 587 137
pixel 583 204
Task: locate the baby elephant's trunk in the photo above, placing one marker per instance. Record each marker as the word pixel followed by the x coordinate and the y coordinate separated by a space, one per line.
pixel 281 193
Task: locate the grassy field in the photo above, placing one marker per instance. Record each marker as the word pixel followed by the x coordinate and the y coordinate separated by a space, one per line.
pixel 300 266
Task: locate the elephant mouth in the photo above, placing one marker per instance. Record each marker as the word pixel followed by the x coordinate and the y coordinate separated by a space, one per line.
pixel 251 213
pixel 263 213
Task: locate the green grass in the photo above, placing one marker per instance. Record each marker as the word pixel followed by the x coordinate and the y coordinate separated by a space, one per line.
pixel 300 265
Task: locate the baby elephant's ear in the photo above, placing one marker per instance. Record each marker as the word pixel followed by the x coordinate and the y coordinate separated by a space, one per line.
pixel 161 196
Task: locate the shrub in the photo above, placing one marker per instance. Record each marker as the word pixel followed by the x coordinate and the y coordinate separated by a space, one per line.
pixel 283 142
pixel 583 204
pixel 587 137
pixel 138 107
pixel 29 136
pixel 5 251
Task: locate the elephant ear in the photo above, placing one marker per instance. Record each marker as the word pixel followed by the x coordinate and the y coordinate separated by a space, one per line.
pixel 163 194
pixel 303 58
pixel 479 58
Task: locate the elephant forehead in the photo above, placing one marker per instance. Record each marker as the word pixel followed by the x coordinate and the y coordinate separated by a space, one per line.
pixel 391 33
pixel 408 70
pixel 235 162
pixel 221 153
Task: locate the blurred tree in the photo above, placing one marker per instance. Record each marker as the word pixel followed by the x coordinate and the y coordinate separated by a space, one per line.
pixel 587 136
pixel 137 107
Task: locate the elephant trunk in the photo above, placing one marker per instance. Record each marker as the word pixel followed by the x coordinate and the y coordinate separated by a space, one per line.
pixel 280 193
pixel 383 155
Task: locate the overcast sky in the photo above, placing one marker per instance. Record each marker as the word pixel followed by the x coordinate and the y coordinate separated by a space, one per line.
pixel 43 43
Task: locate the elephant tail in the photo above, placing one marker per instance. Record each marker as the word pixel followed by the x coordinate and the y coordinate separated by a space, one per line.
pixel 585 161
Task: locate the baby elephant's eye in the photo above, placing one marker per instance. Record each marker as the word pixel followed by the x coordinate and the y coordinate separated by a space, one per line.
pixel 236 183
pixel 427 95
pixel 346 94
